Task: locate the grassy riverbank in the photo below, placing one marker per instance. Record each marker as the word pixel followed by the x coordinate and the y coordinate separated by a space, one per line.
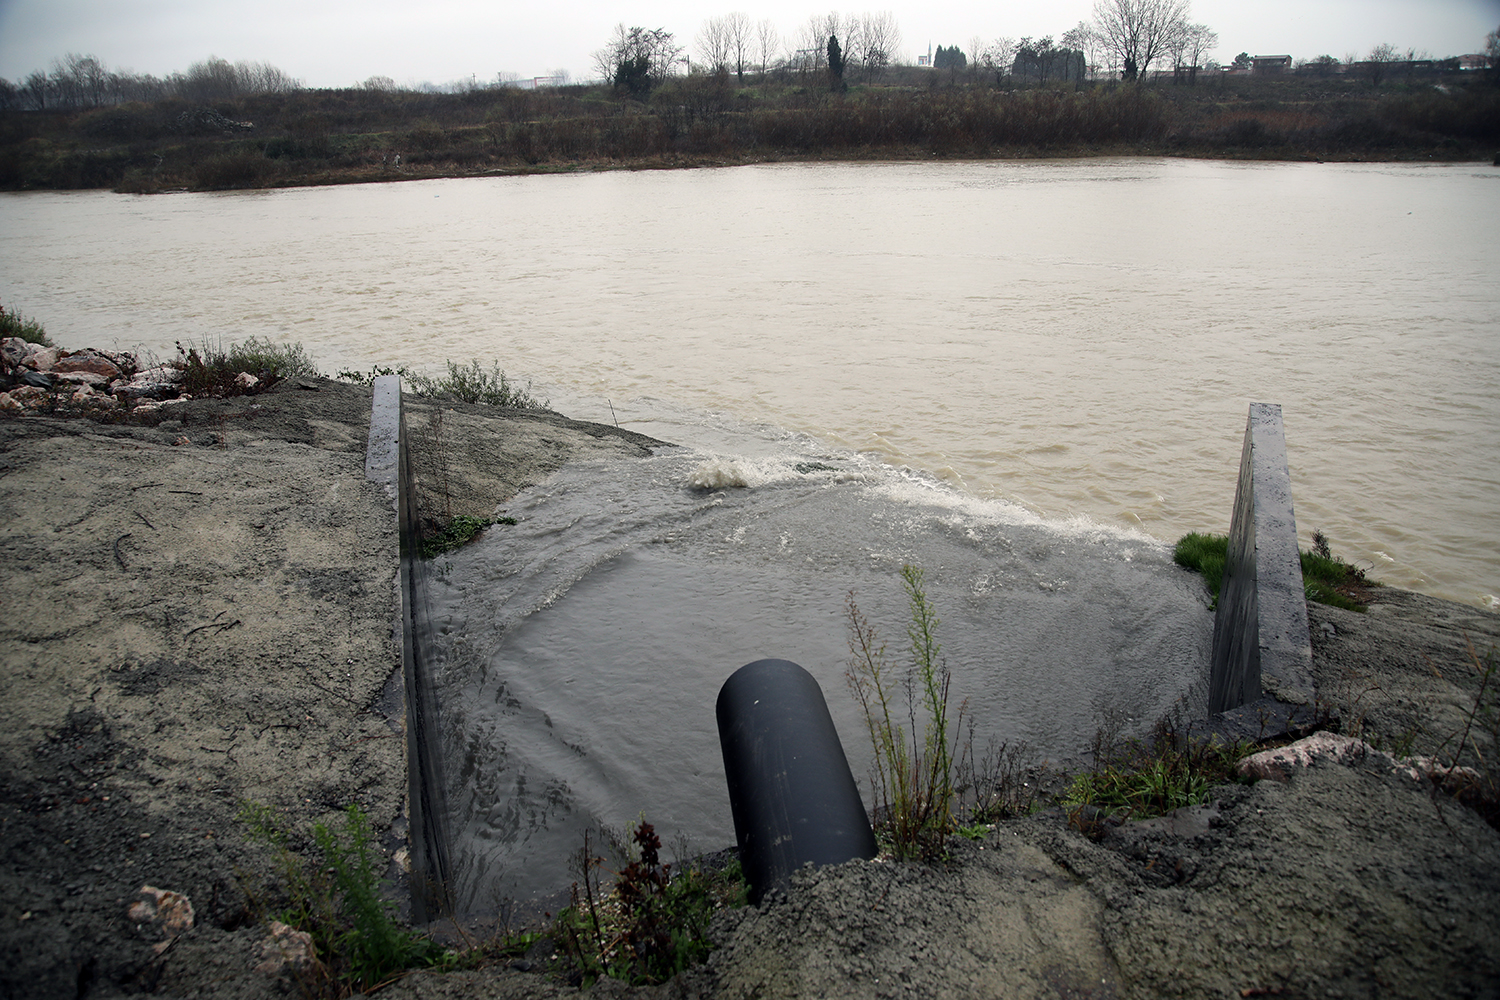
pixel 306 137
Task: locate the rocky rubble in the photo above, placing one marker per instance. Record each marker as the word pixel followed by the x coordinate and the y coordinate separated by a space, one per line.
pixel 33 377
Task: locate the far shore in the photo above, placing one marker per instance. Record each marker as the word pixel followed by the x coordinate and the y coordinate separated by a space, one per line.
pixel 249 140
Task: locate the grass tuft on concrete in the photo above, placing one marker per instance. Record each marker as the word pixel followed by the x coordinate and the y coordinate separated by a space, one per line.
pixel 1326 578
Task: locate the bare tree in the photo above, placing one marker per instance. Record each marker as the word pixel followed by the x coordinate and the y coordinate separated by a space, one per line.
pixel 1081 38
pixel 812 42
pixel 713 43
pixel 1379 61
pixel 1200 40
pixel 879 37
pixel 738 33
pixel 1139 32
pixel 978 50
pixel 997 57
pixel 37 91
pixel 767 41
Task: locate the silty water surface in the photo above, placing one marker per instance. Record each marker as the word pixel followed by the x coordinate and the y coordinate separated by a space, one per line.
pixel 584 646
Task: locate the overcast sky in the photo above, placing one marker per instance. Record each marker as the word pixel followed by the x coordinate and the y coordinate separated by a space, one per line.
pixel 334 43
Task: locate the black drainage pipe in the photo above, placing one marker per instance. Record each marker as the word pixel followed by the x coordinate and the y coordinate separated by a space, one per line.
pixel 790 789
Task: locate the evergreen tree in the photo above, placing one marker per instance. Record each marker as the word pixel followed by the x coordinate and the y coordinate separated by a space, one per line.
pixel 835 64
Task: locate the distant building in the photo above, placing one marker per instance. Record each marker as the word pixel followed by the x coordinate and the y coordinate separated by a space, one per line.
pixel 1473 61
pixel 1270 65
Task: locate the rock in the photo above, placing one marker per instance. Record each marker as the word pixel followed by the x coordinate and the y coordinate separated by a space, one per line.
pixel 153 383
pixel 43 358
pixel 91 379
pixel 246 381
pixel 37 380
pixel 1278 764
pixel 161 373
pixel 285 948
pixel 171 911
pixel 90 362
pixel 29 396
pixel 87 398
pixel 7 403
pixel 15 350
pixel 140 391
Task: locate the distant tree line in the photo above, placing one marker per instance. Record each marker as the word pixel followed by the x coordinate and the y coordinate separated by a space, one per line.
pixel 78 82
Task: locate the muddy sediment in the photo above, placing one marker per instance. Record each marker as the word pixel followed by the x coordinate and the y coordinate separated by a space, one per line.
pixel 200 613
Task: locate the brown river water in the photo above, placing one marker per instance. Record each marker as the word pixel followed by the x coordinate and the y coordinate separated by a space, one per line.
pixel 1079 337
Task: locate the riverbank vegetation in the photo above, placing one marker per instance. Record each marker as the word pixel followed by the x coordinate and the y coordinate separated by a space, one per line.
pixel 1326 578
pixel 1152 777
pixel 339 933
pixel 212 369
pixel 652 923
pixel 13 324
pixel 204 138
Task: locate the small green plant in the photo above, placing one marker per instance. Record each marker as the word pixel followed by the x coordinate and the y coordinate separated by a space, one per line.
pixel 915 776
pixel 357 941
pixel 652 924
pixel 368 378
pixel 458 533
pixel 13 324
pixel 1326 579
pixel 1154 777
pixel 1207 555
pixel 215 370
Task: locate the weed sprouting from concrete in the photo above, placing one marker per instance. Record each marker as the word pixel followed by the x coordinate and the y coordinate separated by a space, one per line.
pixel 999 784
pixel 459 532
pixel 1150 778
pixel 1478 786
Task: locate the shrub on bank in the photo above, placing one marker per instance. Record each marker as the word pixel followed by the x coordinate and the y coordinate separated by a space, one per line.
pixel 216 370
pixel 13 324
pixel 469 383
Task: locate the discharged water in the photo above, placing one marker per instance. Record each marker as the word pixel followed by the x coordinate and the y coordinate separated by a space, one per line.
pixel 1027 377
pixel 585 646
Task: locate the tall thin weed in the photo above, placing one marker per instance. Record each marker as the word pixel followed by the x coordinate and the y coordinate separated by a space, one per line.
pixel 915 772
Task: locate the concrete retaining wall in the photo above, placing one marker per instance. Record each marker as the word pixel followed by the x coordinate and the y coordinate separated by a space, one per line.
pixel 1261 643
pixel 387 461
